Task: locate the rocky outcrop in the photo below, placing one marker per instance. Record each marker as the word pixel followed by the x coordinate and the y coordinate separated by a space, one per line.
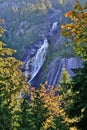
pixel 35 57
pixel 56 66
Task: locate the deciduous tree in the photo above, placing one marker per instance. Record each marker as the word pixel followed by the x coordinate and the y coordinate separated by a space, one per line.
pixel 12 81
pixel 76 30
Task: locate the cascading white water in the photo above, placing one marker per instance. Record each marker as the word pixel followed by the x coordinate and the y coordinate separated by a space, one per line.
pixel 33 64
pixel 38 60
pixel 54 26
pixel 26 68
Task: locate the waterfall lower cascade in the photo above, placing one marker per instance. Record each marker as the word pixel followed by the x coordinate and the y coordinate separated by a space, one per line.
pixel 34 64
pixel 38 59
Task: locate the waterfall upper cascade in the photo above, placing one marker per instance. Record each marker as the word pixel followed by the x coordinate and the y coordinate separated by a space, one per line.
pixel 54 26
pixel 53 29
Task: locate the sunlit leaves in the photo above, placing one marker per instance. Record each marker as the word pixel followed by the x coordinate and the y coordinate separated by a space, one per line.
pixel 77 29
pixel 12 82
pixel 50 101
pixel 1 29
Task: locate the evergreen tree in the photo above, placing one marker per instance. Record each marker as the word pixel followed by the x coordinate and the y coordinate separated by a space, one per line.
pixel 34 111
pixel 65 78
pixel 79 105
pixel 77 31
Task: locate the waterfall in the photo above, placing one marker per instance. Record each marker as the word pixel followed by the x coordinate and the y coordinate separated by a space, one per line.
pixel 54 26
pixel 38 60
pixel 27 68
pixel 36 55
pixel 53 29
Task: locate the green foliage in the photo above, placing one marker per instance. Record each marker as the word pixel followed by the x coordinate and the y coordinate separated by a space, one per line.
pixel 76 30
pixel 12 82
pixel 41 111
pixel 59 125
pixel 79 108
pixel 38 112
pixel 65 78
pixel 74 99
pixel 75 96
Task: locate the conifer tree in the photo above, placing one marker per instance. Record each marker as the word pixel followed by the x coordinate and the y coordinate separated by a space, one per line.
pixel 77 31
pixel 79 104
pixel 65 78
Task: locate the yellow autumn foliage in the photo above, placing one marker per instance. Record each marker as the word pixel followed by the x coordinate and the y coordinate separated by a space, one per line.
pixel 77 30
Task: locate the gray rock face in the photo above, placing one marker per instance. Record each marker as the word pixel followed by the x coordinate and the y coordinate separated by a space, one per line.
pixel 56 66
pixel 72 63
pixel 54 71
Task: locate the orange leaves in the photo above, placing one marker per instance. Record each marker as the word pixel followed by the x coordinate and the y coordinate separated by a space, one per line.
pixel 77 31
pixel 80 20
pixel 51 101
pixel 75 5
pixel 72 15
pixel 77 14
pixel 62 26
pixel 68 14
pixel 68 26
pixel 71 29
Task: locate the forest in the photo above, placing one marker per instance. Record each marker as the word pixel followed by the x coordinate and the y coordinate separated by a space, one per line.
pixel 59 106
